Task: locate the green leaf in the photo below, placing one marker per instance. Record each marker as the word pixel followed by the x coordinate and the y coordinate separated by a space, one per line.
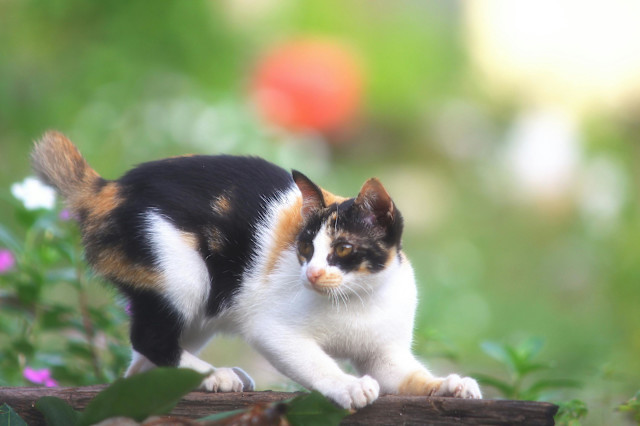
pixel 79 349
pixel 314 409
pixel 632 406
pixel 153 392
pixel 525 368
pixel 496 351
pixel 569 413
pixel 507 390
pixel 514 360
pixel 530 347
pixel 9 417
pixel 57 412
pixel 535 389
pixel 55 317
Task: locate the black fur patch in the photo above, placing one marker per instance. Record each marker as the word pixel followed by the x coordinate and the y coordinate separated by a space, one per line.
pixel 155 327
pixel 345 222
pixel 181 190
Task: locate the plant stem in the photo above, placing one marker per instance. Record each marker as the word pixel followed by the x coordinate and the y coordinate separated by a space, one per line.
pixel 87 325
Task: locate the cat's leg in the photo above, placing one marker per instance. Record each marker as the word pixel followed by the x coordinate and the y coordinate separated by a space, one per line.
pixel 139 364
pixel 193 340
pixel 166 322
pixel 156 330
pixel 398 372
pixel 219 379
pixel 302 360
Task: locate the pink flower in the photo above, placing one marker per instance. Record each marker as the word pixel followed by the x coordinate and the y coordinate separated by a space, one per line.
pixel 39 377
pixel 7 260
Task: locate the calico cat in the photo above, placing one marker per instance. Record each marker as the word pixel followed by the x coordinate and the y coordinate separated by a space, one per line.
pixel 222 244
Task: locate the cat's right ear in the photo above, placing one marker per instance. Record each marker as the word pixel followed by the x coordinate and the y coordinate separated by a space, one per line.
pixel 312 199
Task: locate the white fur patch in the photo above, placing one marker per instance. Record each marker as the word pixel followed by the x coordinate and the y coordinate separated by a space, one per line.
pixel 186 279
pixel 139 364
pixel 321 251
pixel 264 230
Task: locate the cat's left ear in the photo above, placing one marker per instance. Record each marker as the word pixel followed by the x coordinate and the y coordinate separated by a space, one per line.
pixel 375 199
pixel 312 199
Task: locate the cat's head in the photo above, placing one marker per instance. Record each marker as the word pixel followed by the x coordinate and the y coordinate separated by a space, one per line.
pixel 345 244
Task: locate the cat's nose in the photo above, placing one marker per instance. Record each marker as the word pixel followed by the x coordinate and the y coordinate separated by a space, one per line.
pixel 313 274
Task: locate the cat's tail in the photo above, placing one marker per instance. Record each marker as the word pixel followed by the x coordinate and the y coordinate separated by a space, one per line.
pixel 58 163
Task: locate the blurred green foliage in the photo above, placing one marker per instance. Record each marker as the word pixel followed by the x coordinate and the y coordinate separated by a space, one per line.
pixel 521 365
pixel 570 413
pixel 632 407
pixel 48 318
pixel 131 81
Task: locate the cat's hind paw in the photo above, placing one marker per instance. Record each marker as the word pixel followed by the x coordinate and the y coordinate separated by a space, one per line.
pixel 459 387
pixel 228 380
pixel 354 393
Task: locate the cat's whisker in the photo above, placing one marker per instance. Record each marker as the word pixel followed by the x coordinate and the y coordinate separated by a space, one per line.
pixel 340 298
pixel 356 293
pixel 367 289
pixel 343 296
pixel 334 299
pixel 348 290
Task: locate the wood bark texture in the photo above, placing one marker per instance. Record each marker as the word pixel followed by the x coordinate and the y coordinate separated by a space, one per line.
pixel 389 409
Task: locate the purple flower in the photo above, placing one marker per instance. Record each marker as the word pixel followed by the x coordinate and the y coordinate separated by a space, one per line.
pixel 65 215
pixel 7 260
pixel 127 309
pixel 39 377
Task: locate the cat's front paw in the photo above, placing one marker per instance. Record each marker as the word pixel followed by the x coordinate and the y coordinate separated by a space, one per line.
pixel 353 393
pixel 422 383
pixel 228 380
pixel 459 387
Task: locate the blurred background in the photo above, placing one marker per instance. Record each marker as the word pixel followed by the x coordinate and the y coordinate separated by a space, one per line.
pixel 508 134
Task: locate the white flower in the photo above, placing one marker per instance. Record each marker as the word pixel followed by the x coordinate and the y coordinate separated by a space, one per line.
pixel 543 152
pixel 34 194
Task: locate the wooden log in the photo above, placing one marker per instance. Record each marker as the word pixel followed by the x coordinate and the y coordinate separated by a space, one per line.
pixel 388 409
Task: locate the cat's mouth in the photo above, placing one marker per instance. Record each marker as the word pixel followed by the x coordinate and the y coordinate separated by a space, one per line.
pixel 324 287
pixel 323 282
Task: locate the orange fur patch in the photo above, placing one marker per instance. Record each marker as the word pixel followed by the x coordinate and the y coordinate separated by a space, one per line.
pixel 113 264
pixel 288 226
pixel 419 382
pixel 221 205
pixel 393 253
pixel 215 239
pixel 328 281
pixel 189 239
pixel 97 206
pixel 330 198
pixel 102 203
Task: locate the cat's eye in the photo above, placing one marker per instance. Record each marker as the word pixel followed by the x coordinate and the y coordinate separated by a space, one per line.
pixel 305 249
pixel 343 250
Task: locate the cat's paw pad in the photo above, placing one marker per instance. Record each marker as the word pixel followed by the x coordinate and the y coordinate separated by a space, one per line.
pixel 355 393
pixel 227 380
pixel 459 387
